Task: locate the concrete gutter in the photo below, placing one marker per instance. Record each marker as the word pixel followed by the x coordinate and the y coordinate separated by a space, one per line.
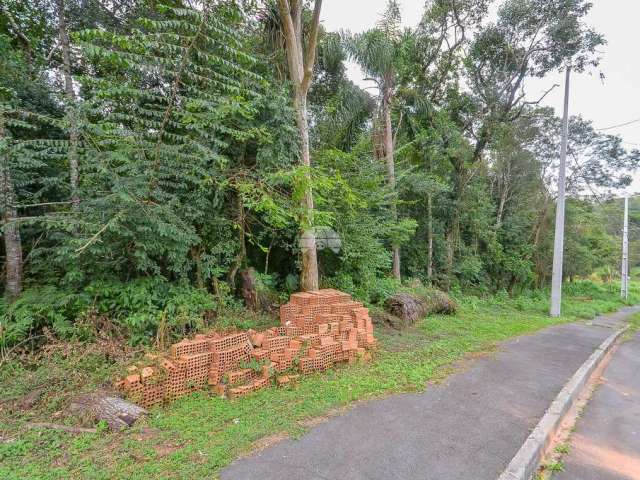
pixel 525 464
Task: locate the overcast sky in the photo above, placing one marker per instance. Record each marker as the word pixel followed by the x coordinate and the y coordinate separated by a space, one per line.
pixel 612 102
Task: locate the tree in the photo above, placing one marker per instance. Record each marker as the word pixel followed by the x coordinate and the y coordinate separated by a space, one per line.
pixel 301 63
pixel 71 105
pixel 378 53
pixel 11 230
pixel 25 104
pixel 161 170
pixel 530 38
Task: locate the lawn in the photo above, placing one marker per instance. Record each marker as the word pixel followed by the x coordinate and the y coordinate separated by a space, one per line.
pixel 197 436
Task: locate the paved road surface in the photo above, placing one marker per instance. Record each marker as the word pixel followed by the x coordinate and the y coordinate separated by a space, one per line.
pixel 469 428
pixel 606 443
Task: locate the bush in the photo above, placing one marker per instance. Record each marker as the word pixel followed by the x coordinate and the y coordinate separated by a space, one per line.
pixel 140 309
pixel 38 308
pixel 374 291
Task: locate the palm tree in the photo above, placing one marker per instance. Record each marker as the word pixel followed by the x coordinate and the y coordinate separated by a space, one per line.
pixel 378 52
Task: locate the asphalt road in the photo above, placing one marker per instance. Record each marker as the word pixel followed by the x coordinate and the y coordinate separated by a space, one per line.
pixel 606 442
pixel 467 428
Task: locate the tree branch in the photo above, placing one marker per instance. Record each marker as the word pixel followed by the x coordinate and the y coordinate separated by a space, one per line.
pixel 293 49
pixel 22 38
pixel 310 59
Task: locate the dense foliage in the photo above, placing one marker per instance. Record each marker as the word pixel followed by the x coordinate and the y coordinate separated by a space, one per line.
pixel 149 155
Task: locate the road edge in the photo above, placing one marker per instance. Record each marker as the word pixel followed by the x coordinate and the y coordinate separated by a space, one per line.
pixel 525 463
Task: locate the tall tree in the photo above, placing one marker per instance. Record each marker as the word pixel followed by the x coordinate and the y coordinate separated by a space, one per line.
pixel 71 105
pixel 429 75
pixel 530 38
pixel 301 62
pixel 11 230
pixel 378 53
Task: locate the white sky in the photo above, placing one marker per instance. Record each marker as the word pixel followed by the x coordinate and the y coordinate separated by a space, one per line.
pixel 613 102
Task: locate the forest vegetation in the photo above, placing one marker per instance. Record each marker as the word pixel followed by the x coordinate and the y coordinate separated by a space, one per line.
pixel 171 166
pixel 153 153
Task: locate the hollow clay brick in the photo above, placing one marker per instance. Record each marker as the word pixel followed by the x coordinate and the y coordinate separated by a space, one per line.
pixel 146 373
pixel 188 347
pixel 241 376
pixel 304 298
pixel 229 341
pixel 276 343
pixel 260 353
pixel 257 339
pixel 317 330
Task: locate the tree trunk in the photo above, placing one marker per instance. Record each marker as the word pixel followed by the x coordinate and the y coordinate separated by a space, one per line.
pixel 301 65
pixel 249 289
pixel 196 256
pixel 11 229
pixel 242 253
pixel 391 173
pixel 268 254
pixel 430 238
pixel 538 234
pixel 501 206
pixel 450 248
pixel 71 110
pixel 309 274
pixel 12 240
pixel 453 230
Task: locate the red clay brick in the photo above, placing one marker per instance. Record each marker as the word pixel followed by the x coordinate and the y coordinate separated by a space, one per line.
pixel 188 347
pixel 318 329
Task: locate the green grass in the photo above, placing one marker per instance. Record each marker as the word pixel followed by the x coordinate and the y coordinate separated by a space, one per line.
pixel 197 436
pixel 555 467
pixel 634 327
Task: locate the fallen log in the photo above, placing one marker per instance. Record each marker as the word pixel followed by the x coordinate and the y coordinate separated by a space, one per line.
pixel 104 406
pixel 406 307
pixel 410 308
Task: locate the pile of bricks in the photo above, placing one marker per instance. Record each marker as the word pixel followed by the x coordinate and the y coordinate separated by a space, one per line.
pixel 318 329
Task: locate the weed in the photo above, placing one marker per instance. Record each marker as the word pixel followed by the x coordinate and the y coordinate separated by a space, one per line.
pixel 555 466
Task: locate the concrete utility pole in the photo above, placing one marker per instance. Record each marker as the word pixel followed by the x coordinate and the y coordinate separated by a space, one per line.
pixel 624 271
pixel 558 244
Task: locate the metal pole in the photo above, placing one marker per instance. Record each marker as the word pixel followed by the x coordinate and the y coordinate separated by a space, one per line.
pixel 624 273
pixel 558 244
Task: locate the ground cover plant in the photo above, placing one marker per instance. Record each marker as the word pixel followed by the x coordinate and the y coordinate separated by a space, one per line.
pixel 198 435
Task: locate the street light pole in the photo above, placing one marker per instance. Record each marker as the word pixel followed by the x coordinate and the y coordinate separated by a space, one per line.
pixel 624 271
pixel 558 244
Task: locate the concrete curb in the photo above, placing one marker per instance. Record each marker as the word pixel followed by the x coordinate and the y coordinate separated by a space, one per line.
pixel 525 463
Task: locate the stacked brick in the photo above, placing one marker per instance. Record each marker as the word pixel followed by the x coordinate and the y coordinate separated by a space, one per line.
pixel 318 329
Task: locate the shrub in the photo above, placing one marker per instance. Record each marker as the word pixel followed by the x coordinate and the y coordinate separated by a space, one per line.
pixel 138 309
